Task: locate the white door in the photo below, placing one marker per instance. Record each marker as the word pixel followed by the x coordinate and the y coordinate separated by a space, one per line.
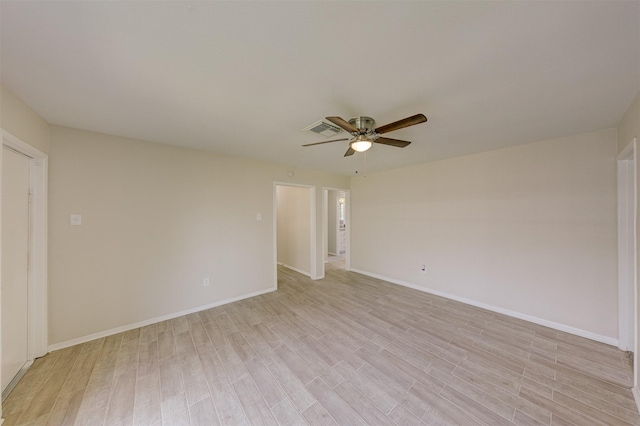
pixel 15 245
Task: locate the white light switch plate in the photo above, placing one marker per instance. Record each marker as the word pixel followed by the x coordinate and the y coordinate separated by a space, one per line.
pixel 75 219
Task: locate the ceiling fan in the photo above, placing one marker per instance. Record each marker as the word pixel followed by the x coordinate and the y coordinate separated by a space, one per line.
pixel 365 134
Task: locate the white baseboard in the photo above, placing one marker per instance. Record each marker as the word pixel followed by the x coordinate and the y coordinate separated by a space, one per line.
pixel 139 324
pixel 556 326
pixel 636 396
pixel 300 271
pixel 13 383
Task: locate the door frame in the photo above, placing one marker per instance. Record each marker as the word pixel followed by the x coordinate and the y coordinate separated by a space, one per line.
pixel 627 250
pixel 313 230
pixel 37 272
pixel 325 223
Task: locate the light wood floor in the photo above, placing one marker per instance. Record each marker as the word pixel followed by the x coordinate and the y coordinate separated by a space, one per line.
pixel 348 350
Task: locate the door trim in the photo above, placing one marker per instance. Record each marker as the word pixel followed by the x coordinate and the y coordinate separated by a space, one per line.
pixel 37 279
pixel 627 274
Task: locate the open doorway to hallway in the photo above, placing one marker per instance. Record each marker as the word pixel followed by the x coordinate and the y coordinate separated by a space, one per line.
pixel 295 225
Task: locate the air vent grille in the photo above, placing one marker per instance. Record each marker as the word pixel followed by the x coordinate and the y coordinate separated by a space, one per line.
pixel 323 128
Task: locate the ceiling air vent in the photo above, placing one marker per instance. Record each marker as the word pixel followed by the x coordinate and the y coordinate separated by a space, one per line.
pixel 323 128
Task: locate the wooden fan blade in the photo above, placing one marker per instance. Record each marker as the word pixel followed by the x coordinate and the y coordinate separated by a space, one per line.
pixel 393 142
pixel 342 123
pixel 320 143
pixel 349 152
pixel 405 122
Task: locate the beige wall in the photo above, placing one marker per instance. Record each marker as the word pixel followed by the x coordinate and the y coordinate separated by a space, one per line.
pixel 156 220
pixel 294 227
pixel 529 229
pixel 19 119
pixel 629 126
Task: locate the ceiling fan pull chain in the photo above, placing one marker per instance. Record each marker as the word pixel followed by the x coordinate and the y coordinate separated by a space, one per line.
pixel 365 164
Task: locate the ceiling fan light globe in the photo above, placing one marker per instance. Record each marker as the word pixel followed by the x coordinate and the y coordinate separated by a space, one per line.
pixel 361 144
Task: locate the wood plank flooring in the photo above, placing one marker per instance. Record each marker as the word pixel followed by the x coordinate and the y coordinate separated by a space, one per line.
pixel 345 350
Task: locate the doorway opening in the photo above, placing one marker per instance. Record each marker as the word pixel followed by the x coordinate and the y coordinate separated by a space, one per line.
pixel 336 229
pixel 24 179
pixel 295 228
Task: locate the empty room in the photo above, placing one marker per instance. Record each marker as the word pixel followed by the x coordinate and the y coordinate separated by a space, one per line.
pixel 319 212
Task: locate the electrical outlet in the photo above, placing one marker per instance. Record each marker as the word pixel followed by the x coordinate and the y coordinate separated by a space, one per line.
pixel 424 269
pixel 205 282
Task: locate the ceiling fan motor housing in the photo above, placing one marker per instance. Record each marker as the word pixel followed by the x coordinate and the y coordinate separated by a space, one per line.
pixel 364 124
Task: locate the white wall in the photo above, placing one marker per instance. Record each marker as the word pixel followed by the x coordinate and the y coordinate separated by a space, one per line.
pixel 530 229
pixel 294 227
pixel 156 220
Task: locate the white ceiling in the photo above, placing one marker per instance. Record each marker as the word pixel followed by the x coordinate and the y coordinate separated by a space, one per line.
pixel 245 78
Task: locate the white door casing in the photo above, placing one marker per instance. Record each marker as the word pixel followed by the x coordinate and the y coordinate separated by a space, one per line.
pixel 627 211
pixel 37 274
pixel 15 263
